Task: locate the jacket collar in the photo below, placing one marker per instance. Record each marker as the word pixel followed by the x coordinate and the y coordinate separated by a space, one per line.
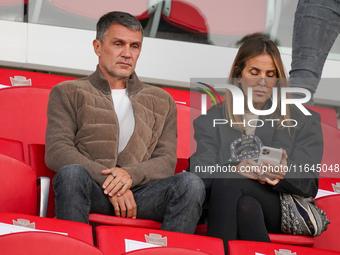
pixel 133 84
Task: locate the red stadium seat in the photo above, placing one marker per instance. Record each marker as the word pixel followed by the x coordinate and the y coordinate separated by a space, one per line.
pixel 12 148
pixel 307 241
pixel 101 219
pixel 76 230
pixel 249 247
pixel 36 79
pixel 329 169
pixel 18 188
pixel 330 165
pixel 180 96
pixel 185 140
pixel 200 16
pixel 274 238
pixel 111 240
pixel 187 98
pixel 24 109
pixel 41 243
pixel 329 239
pixel 16 174
pixel 165 251
pixel 36 159
pixel 328 116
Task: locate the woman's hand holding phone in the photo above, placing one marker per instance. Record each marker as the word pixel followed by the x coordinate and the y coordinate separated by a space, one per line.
pixel 273 170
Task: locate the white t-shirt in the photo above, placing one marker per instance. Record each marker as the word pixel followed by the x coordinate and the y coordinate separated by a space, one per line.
pixel 126 120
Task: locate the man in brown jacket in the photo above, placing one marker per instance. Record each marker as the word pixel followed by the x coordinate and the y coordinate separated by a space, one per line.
pixel 112 140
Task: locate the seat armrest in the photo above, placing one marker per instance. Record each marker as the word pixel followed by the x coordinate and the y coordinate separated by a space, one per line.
pixel 44 183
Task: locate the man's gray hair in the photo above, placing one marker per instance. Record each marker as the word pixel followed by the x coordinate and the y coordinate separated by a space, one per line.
pixel 116 17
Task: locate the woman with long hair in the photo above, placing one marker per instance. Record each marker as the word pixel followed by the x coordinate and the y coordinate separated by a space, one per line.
pixel 243 199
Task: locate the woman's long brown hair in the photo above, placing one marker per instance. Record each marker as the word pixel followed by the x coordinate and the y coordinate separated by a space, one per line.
pixel 253 47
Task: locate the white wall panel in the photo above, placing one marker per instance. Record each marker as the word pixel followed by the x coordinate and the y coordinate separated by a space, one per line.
pixel 174 62
pixel 13 43
pixel 163 62
pixel 60 49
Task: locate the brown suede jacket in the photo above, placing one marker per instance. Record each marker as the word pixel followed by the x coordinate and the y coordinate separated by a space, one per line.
pixel 83 129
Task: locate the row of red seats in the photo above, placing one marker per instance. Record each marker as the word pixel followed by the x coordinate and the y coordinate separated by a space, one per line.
pixel 18 201
pixel 37 161
pixel 36 243
pixel 109 239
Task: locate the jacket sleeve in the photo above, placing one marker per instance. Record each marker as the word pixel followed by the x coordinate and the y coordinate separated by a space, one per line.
pixel 208 140
pixel 302 176
pixel 60 135
pixel 163 159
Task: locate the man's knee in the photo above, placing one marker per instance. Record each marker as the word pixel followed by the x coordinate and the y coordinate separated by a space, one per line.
pixel 191 185
pixel 71 175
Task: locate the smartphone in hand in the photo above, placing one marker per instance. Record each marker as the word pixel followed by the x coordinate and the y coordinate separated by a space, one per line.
pixel 270 154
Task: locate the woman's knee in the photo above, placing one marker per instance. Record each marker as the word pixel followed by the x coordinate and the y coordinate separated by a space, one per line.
pixel 248 205
pixel 231 185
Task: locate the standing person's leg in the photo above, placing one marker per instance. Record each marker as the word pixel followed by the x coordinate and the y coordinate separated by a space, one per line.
pixel 77 194
pixel 316 26
pixel 240 208
pixel 175 201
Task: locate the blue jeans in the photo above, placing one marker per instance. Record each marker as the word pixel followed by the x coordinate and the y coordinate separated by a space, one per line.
pixel 316 27
pixel 175 201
